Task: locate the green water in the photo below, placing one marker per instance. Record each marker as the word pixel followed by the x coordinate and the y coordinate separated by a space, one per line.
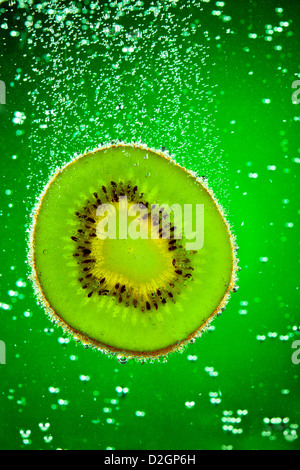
pixel 212 83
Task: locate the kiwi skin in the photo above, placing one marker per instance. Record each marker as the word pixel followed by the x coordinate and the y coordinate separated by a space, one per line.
pixel 124 355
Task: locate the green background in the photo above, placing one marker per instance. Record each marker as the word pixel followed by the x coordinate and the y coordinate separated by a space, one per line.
pixel 212 83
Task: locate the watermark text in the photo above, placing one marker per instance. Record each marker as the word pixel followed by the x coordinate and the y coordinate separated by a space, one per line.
pixel 296 94
pixel 2 92
pixel 158 222
pixel 2 352
pixel 296 354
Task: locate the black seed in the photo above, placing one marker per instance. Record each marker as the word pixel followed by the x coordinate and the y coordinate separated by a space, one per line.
pixel 135 303
pixel 178 271
pixel 164 301
pixel 174 262
pixel 113 184
pixel 90 219
pixel 103 292
pixel 123 288
pixel 80 231
pixel 75 254
pixel 74 239
pixel 117 286
pixel 86 251
pixel 93 235
pixel 88 261
pixel 81 279
pixel 84 287
pixel 148 305
pixel 170 295
pixel 86 269
pixel 172 248
pixel 155 305
pixel 90 294
pixel 88 275
pixel 158 292
pixel 171 242
pixel 104 189
pixel 120 299
pixel 135 189
pixel 102 280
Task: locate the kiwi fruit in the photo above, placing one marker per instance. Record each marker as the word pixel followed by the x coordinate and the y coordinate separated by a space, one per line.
pixel 138 296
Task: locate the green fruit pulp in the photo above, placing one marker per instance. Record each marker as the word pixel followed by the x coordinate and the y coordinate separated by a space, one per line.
pixel 101 319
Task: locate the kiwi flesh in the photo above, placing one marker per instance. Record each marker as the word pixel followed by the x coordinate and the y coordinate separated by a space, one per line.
pixel 143 297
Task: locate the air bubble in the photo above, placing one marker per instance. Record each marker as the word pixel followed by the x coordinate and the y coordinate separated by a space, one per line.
pixel 122 359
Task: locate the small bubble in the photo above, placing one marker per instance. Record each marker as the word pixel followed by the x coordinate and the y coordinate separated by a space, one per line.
pixel 272 334
pixel 110 421
pixel 243 312
pixel 62 402
pixel 122 391
pixel 122 359
pixel 63 340
pixel 192 358
pixel 189 404
pixel 44 426
pixel 260 337
pixel 53 390
pixel 84 378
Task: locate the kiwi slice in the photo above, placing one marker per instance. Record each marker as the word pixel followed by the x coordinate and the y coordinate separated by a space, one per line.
pixel 140 292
